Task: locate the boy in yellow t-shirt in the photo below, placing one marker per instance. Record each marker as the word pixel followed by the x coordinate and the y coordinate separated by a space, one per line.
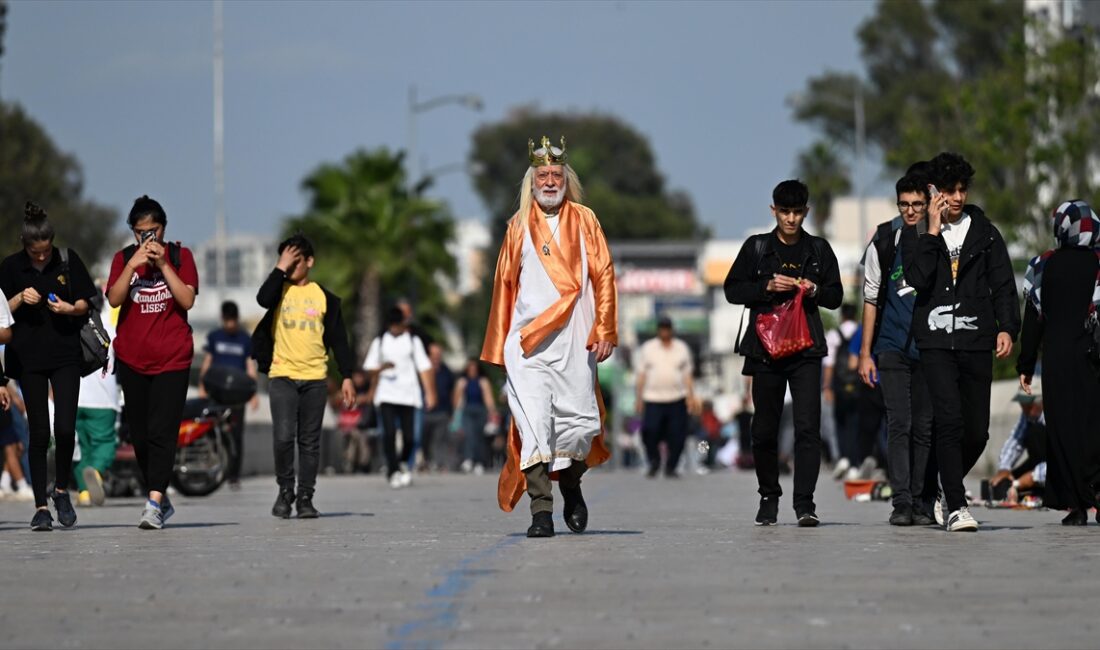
pixel 291 345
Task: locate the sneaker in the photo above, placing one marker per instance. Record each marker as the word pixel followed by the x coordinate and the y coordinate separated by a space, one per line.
pixel 283 502
pixel 867 467
pixel 479 469
pixel 937 510
pixel 902 515
pixel 407 477
pixel 653 472
pixel 84 499
pixel 395 481
pixel 166 509
pixel 807 519
pixel 841 468
pixel 304 505
pixel 768 514
pixel 1076 518
pixel 66 516
pixel 94 483
pixel 961 521
pixel 24 493
pixel 42 521
pixel 921 518
pixel 467 466
pixel 151 517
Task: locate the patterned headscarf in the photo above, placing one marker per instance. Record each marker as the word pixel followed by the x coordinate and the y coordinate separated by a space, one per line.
pixel 1075 226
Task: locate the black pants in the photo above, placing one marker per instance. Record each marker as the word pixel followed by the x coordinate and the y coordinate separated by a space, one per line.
pixel 390 414
pixel 959 383
pixel 154 405
pixel 667 421
pixel 236 433
pixel 36 395
pixel 769 385
pixel 297 411
pixel 908 425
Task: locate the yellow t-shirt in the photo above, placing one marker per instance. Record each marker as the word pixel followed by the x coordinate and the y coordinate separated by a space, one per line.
pixel 299 331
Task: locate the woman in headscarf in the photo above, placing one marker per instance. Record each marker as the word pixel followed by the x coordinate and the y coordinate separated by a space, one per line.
pixel 1062 287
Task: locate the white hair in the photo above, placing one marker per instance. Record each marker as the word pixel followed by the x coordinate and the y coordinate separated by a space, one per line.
pixel 574 191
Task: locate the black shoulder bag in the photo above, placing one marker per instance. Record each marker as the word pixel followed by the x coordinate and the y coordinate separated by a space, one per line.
pixel 94 340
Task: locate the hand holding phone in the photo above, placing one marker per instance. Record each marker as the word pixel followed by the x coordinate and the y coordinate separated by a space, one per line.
pixel 52 297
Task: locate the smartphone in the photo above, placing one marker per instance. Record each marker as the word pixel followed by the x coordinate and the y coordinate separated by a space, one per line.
pixel 147 235
pixel 52 297
pixel 933 190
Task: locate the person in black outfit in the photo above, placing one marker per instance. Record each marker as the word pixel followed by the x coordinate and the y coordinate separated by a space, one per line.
pixel 48 296
pixel 767 271
pixel 966 307
pixel 1063 291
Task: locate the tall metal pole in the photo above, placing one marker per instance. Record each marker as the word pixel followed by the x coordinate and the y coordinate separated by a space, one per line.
pixel 861 139
pixel 219 150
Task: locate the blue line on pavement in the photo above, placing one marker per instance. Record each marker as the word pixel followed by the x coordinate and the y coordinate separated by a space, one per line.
pixel 443 600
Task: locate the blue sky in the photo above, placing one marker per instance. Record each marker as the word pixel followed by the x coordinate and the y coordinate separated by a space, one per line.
pixel 127 87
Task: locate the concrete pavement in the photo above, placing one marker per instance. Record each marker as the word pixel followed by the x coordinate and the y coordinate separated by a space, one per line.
pixel 664 565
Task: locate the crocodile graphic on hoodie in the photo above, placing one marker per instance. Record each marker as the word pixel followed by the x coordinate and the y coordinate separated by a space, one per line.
pixel 944 318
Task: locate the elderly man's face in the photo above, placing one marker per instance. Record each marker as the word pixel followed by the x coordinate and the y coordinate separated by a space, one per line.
pixel 550 185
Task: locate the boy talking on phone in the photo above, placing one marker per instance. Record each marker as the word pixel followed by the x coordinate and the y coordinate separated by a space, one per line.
pixel 966 308
pixel 291 345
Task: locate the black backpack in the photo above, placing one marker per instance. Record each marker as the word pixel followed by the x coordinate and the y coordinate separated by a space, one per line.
pixel 845 380
pixel 94 340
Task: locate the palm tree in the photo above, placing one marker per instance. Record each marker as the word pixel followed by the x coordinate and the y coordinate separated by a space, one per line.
pixel 373 235
pixel 828 177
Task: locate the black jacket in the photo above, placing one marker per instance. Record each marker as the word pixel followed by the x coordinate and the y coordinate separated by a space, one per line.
pixel 969 312
pixel 263 339
pixel 747 285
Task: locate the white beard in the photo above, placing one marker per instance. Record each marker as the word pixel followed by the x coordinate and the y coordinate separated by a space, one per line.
pixel 550 201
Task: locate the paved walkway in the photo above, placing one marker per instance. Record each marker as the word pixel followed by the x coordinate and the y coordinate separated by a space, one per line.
pixel 664 565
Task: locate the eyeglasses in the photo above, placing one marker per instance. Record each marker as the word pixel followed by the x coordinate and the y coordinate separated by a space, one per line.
pixel 916 206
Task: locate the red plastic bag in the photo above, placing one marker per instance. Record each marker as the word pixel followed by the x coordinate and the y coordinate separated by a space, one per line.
pixel 784 331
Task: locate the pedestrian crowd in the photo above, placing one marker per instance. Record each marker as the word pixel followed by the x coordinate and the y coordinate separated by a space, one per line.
pixel 898 390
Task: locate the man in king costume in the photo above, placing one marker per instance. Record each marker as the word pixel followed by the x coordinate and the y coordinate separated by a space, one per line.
pixel 554 316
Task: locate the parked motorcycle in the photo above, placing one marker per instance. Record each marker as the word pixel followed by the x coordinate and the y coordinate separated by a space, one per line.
pixel 205 447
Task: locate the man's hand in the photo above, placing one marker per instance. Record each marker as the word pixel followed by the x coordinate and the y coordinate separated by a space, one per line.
pixel 429 400
pixel 781 283
pixel 867 370
pixel 937 208
pixel 347 391
pixel 1004 345
pixel 603 350
pixel 254 403
pixel 31 296
pixel 827 394
pixel 1025 384
pixel 288 259
pixel 810 287
pixel 5 399
pixel 1003 475
pixel 639 407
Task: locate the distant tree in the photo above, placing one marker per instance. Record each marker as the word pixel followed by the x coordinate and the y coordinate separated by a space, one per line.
pixel 823 170
pixel 1016 98
pixel 615 163
pixel 32 168
pixel 376 241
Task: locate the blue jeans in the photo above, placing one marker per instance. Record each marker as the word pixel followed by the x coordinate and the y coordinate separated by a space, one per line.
pixel 474 418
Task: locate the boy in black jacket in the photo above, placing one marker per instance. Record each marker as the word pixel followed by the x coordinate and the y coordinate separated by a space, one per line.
pixel 766 272
pixel 290 344
pixel 966 306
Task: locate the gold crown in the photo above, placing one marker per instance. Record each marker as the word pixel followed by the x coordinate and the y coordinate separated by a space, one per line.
pixel 548 157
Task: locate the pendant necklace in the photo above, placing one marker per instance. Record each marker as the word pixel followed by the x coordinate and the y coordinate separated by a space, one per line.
pixel 546 246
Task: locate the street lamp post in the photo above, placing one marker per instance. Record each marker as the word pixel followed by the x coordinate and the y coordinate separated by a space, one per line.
pixel 469 100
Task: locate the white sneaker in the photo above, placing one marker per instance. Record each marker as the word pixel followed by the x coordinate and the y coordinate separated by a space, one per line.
pixel 406 478
pixel 841 468
pixel 24 493
pixel 5 481
pixel 852 474
pixel 867 467
pixel 961 521
pixel 937 509
pixel 395 481
pixel 467 466
pixel 478 470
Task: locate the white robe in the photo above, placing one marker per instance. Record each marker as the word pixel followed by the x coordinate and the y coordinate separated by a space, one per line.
pixel 550 394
